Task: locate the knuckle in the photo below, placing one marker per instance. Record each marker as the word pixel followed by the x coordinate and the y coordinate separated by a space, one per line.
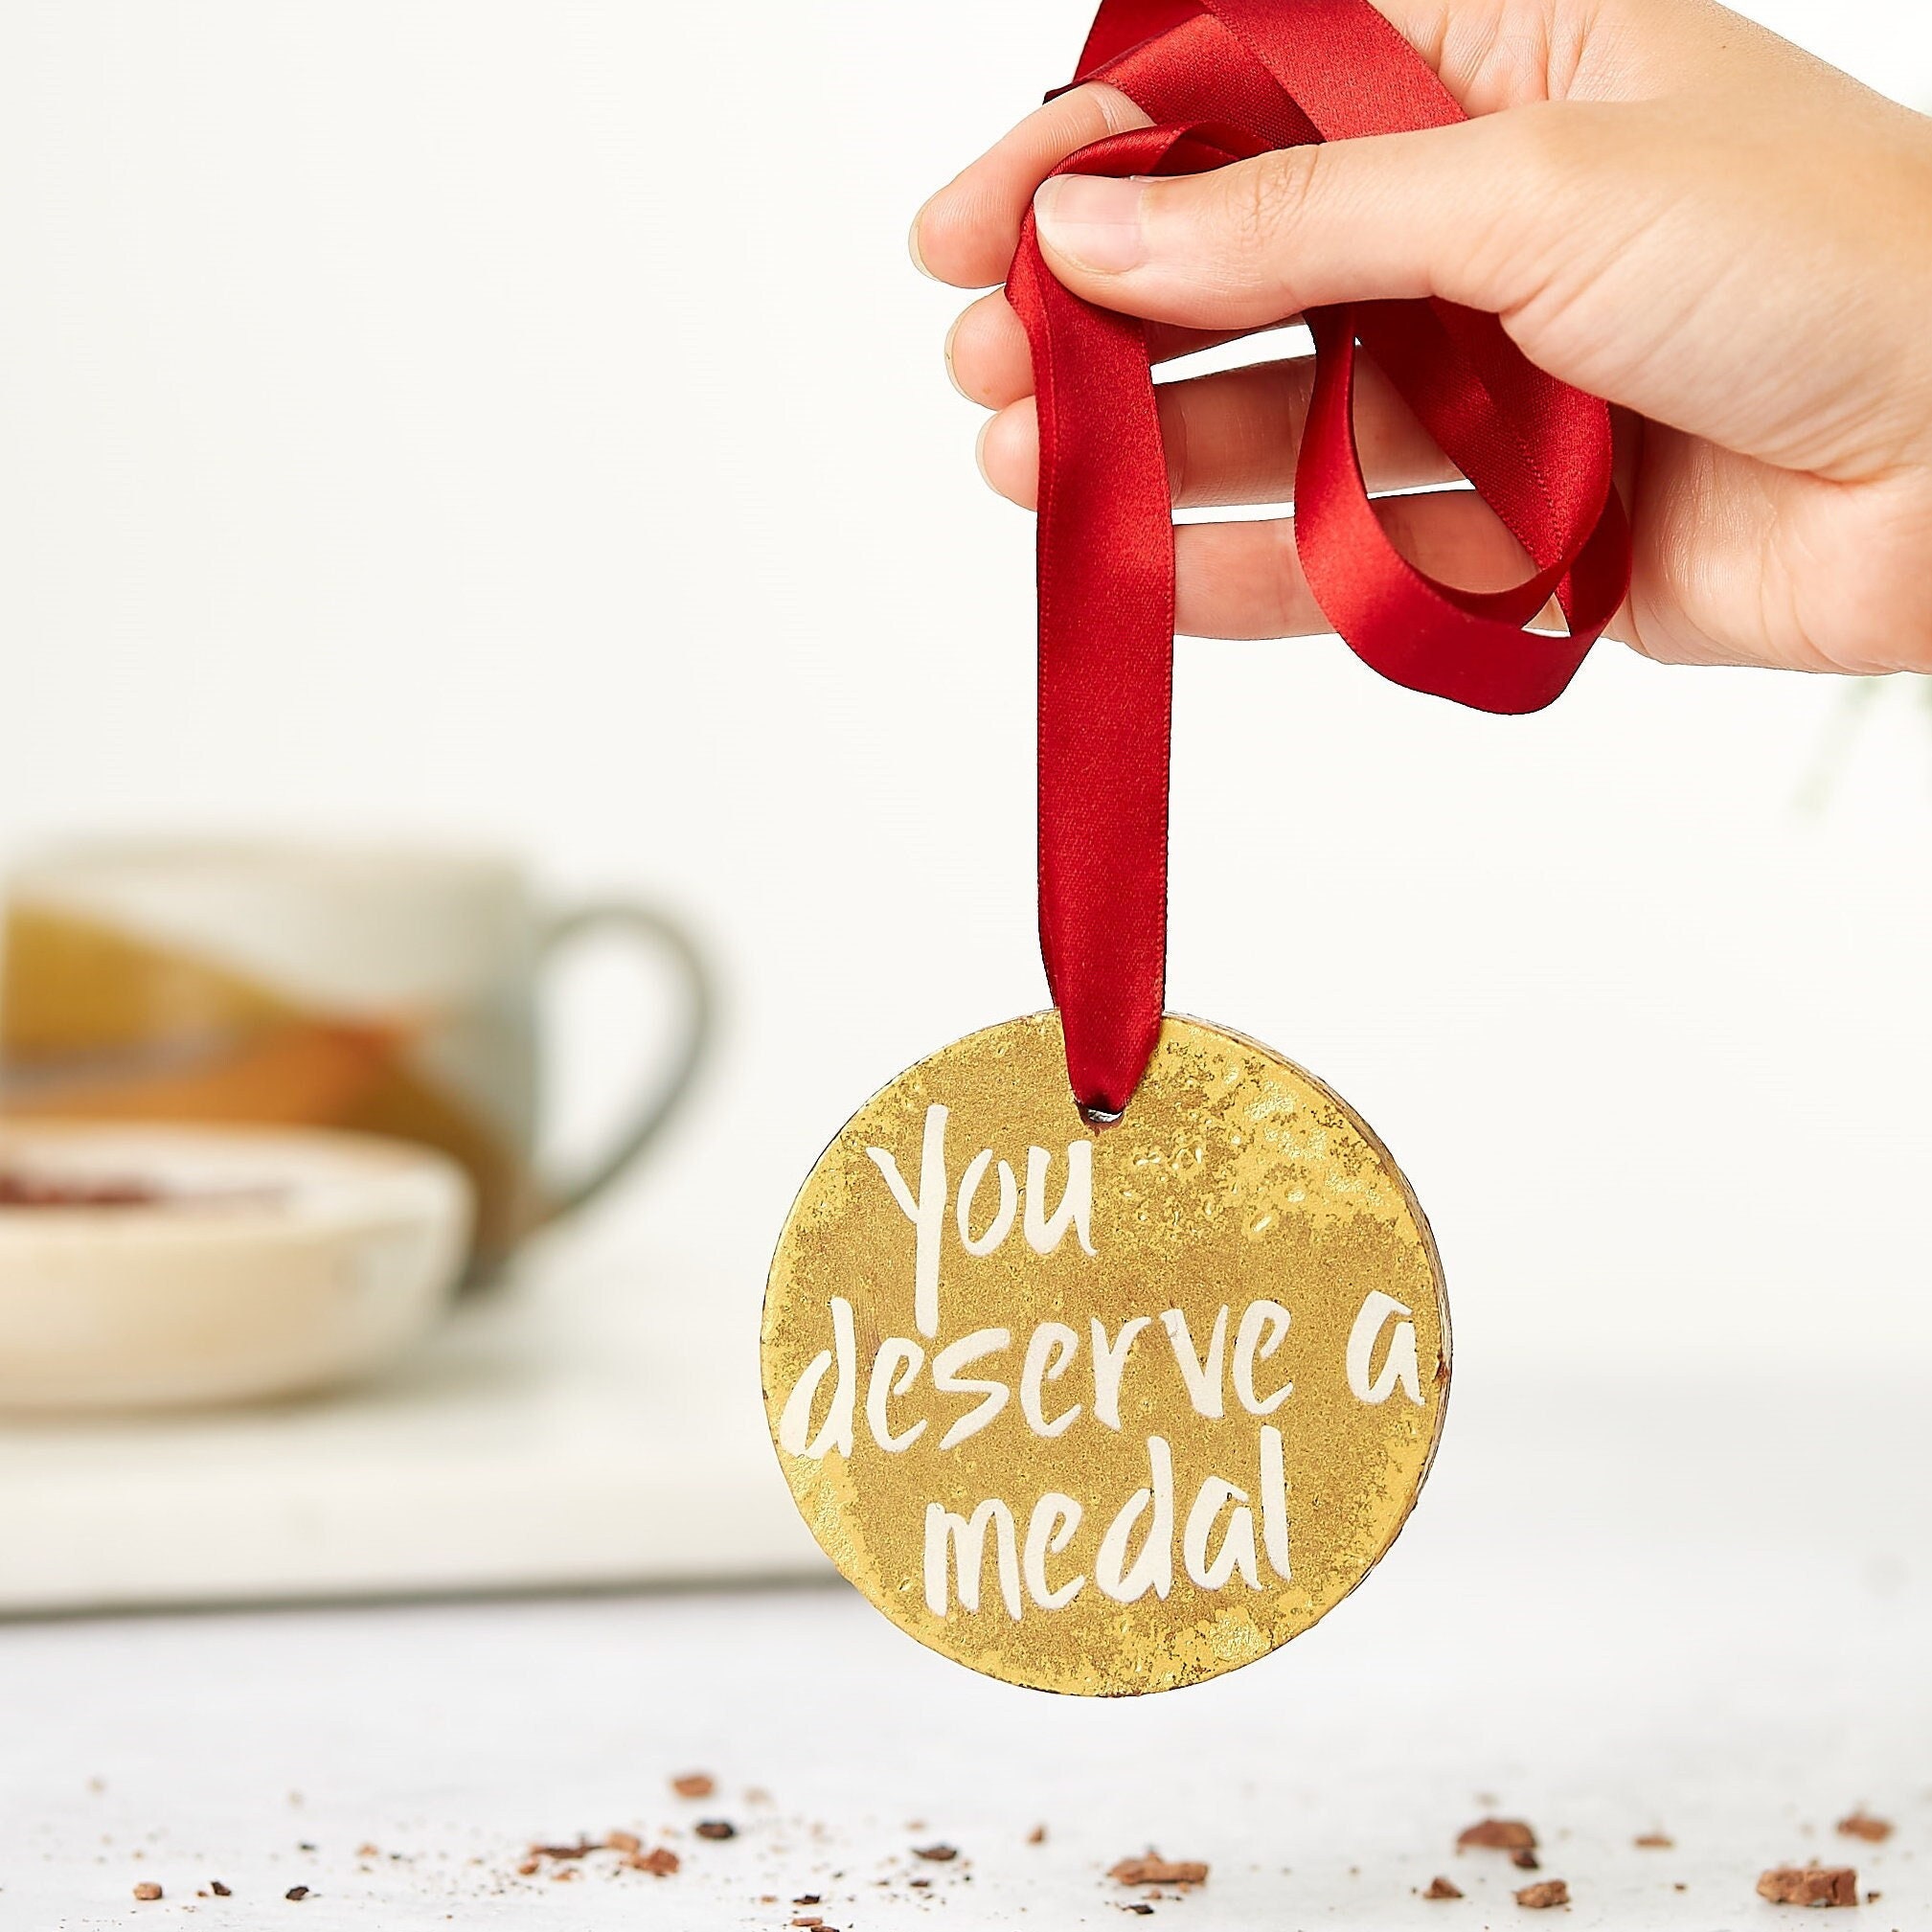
pixel 1547 143
pixel 1643 632
pixel 1514 246
pixel 1252 216
pixel 1270 196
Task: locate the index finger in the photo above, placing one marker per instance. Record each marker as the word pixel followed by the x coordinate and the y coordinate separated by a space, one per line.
pixel 967 231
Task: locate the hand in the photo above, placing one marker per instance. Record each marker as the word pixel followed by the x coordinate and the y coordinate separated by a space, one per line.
pixel 1666 206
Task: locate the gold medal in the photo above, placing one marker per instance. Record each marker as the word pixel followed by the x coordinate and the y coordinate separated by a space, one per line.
pixel 1105 1410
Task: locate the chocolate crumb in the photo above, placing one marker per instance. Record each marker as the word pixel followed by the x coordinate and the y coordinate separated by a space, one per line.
pixel 938 1854
pixel 812 1922
pixel 1859 1825
pixel 715 1828
pixel 1655 1841
pixel 367 1850
pixel 659 1862
pixel 1154 1869
pixel 220 1889
pixel 622 1841
pixel 1038 1835
pixel 1540 1896
pixel 146 1889
pixel 30 1190
pixel 694 1784
pixel 298 1892
pixel 528 1869
pixel 581 1848
pixel 1810 1885
pixel 1525 1861
pixel 1873 1898
pixel 1440 1888
pixel 808 1898
pixel 1146 1911
pixel 920 1884
pixel 1497 1834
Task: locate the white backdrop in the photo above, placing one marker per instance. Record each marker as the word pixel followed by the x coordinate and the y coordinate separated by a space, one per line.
pixel 518 421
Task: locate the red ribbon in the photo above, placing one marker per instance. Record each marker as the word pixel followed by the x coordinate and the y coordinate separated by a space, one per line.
pixel 1225 79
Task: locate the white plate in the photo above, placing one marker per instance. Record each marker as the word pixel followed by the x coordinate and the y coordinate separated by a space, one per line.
pixel 274 1261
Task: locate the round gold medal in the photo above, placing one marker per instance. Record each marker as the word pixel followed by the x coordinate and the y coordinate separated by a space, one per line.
pixel 1105 1410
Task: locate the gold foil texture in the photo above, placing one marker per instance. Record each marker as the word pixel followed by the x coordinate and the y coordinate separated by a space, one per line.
pixel 1233 1181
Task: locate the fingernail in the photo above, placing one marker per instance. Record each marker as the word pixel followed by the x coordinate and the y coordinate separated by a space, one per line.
pixel 912 244
pixel 952 373
pixel 980 452
pixel 1092 219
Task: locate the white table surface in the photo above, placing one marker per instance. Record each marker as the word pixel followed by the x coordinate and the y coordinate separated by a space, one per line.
pixel 1620 1609
pixel 592 1423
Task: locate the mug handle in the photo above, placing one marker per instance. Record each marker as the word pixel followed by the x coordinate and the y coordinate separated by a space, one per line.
pixel 663 935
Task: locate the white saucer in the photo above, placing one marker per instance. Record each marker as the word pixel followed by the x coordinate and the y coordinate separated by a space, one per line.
pixel 270 1261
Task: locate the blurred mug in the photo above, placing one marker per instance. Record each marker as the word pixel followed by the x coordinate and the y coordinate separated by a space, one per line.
pixel 389 992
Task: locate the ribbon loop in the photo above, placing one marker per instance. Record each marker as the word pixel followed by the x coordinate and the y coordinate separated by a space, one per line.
pixel 1228 80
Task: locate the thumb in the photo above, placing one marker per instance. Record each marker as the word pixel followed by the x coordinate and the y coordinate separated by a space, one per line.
pixel 1470 212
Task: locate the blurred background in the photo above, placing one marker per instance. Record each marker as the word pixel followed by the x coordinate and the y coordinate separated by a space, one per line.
pixel 518 428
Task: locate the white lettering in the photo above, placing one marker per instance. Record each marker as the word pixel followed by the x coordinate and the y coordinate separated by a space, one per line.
pixel 1274 1502
pixel 1055 1520
pixel 1203 1378
pixel 1399 1365
pixel 1237 1546
pixel 895 1369
pixel 1076 1202
pixel 926 1213
pixel 1261 1333
pixel 794 1423
pixel 1002 1224
pixel 955 1538
pixel 1052 1349
pixel 1110 1361
pixel 948 1381
pixel 1153 1569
